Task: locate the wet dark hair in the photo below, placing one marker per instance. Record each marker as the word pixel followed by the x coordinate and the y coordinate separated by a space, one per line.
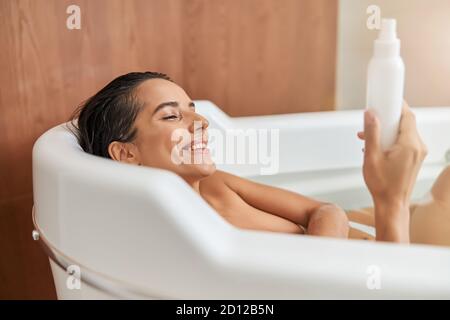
pixel 109 115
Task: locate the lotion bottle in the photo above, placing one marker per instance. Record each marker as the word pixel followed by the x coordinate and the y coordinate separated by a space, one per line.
pixel 385 82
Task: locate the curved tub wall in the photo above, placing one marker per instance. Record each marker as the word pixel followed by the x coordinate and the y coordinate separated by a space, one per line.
pixel 133 224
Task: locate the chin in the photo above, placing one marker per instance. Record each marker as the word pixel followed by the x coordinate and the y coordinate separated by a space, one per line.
pixel 205 170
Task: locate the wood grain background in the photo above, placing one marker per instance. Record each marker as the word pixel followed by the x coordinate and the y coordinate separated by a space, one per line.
pixel 248 56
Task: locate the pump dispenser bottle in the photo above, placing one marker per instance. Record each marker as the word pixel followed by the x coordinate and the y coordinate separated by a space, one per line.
pixel 385 81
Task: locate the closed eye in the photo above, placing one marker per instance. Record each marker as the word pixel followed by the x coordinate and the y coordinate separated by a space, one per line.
pixel 171 117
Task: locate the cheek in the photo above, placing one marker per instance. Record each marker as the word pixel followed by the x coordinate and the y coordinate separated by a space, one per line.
pixel 156 149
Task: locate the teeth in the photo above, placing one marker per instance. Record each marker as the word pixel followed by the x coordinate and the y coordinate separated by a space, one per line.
pixel 198 146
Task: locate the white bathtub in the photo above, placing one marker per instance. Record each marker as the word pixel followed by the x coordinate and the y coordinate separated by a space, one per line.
pixel 143 233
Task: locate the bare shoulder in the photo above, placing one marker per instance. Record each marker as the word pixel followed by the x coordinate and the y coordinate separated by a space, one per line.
pixel 216 182
pixel 216 190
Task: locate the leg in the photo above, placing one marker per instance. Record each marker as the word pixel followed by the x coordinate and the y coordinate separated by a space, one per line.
pixel 430 219
pixel 366 215
pixel 359 235
pixel 362 216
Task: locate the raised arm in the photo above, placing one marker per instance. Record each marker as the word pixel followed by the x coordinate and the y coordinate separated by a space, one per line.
pixel 390 176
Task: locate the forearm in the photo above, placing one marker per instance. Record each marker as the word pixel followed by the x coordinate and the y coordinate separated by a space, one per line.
pixel 392 221
pixel 328 220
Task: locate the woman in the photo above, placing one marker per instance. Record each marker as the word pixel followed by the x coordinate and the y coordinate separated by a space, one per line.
pixel 133 118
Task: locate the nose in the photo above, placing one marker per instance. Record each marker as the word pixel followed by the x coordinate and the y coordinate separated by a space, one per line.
pixel 198 123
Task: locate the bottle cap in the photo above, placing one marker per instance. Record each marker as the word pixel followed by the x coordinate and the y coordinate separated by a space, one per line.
pixel 387 44
pixel 388 30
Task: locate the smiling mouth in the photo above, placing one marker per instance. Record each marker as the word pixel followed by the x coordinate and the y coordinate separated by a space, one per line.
pixel 196 146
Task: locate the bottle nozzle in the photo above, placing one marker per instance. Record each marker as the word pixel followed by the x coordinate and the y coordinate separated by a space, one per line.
pixel 388 30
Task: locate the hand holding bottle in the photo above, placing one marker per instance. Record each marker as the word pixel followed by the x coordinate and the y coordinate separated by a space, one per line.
pixel 390 175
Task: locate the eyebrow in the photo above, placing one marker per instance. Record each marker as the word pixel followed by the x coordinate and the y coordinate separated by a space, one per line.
pixel 171 104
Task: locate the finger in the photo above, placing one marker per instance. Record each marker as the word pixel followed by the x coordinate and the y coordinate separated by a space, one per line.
pixel 361 135
pixel 371 135
pixel 408 126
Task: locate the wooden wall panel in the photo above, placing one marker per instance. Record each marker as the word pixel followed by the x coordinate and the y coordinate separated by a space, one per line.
pixel 261 56
pixel 248 56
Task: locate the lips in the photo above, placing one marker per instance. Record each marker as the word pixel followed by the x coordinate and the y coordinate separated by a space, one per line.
pixel 196 145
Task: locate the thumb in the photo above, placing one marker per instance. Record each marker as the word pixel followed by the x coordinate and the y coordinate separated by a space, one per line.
pixel 371 134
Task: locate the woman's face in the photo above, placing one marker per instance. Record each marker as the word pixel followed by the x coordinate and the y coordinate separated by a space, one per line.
pixel 170 134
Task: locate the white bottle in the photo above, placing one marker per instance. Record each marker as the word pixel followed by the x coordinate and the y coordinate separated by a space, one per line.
pixel 385 80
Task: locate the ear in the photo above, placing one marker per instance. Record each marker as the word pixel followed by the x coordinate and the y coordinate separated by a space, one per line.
pixel 124 152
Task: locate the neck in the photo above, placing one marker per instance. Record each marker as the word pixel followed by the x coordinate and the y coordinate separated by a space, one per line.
pixel 195 184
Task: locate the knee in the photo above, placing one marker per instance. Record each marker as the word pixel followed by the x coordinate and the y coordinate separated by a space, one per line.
pixel 330 220
pixel 341 219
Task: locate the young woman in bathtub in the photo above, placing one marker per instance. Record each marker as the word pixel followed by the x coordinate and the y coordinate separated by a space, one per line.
pixel 132 120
